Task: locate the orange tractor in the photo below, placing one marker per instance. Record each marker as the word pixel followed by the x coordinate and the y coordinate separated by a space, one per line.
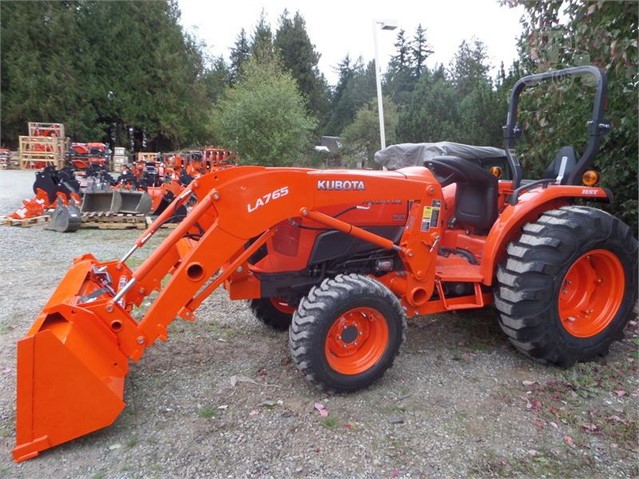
pixel 340 258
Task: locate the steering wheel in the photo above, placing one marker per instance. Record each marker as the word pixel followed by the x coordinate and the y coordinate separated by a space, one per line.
pixel 446 172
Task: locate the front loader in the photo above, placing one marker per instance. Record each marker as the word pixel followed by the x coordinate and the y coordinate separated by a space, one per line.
pixel 340 258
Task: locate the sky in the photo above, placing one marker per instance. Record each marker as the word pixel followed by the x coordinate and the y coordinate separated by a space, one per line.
pixel 338 28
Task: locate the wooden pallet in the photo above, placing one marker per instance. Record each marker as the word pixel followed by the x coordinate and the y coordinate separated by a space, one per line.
pixel 170 226
pixel 112 221
pixel 25 222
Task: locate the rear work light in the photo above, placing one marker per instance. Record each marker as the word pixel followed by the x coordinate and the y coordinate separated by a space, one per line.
pixel 590 178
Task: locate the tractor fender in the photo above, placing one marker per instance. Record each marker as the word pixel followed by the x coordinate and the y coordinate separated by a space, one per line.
pixel 530 206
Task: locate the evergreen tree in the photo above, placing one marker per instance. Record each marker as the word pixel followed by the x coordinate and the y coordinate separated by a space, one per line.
pixel 433 113
pixel 399 78
pixel 355 88
pixel 262 41
pixel 42 68
pixel 216 79
pixel 420 51
pixel 469 67
pixel 346 70
pixel 240 53
pixel 104 69
pixel 481 108
pixel 401 61
pixel 299 56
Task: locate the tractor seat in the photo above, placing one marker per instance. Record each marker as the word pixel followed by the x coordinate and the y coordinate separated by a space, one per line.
pixel 476 194
pixel 561 167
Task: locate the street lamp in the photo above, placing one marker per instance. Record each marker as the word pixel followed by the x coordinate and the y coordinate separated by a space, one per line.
pixel 385 25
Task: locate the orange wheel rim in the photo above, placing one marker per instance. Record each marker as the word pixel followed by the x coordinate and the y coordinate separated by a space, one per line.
pixel 281 305
pixel 591 293
pixel 356 341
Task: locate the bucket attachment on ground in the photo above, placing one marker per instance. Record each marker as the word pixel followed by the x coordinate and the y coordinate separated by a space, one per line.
pixel 101 201
pixel 65 218
pixel 116 201
pixel 70 369
pixel 134 202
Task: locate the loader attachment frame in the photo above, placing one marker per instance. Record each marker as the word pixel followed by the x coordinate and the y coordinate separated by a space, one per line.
pixel 73 361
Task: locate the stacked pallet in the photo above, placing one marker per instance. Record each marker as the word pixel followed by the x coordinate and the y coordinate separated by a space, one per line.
pixel 119 159
pixel 9 160
pixel 45 145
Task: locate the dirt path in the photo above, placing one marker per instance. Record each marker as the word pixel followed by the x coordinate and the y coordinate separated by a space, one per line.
pixel 222 399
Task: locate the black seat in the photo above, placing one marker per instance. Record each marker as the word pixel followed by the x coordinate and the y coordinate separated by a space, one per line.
pixel 563 164
pixel 476 194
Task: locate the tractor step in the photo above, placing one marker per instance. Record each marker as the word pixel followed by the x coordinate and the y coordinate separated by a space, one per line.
pixel 477 300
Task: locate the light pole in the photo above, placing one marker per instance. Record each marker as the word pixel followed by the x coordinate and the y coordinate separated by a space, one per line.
pixel 385 25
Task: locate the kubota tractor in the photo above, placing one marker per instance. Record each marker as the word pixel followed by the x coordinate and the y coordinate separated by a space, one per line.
pixel 340 258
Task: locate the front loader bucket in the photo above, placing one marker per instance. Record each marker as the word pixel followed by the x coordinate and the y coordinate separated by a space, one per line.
pixel 101 201
pixel 70 375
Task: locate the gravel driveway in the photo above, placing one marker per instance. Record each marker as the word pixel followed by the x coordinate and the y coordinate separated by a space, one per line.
pixel 222 399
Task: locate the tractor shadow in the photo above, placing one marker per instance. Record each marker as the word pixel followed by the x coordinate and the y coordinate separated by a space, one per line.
pixel 460 333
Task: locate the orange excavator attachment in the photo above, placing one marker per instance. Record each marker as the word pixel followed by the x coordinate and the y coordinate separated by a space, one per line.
pixel 70 371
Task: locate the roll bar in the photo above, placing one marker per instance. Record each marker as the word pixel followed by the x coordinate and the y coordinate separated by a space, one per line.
pixel 596 125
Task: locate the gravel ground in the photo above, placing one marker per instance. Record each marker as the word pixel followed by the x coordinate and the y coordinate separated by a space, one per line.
pixel 222 399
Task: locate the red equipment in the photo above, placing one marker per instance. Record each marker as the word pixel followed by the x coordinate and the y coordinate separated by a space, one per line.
pixel 352 253
pixel 32 208
pixel 83 155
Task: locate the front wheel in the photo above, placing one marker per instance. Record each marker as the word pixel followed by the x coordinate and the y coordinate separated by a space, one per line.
pixel 568 286
pixel 273 312
pixel 346 332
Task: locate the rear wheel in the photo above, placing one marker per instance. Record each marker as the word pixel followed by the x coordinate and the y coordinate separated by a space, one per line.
pixel 274 312
pixel 346 332
pixel 568 286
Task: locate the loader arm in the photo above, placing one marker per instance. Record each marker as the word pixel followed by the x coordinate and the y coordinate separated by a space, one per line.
pixel 88 321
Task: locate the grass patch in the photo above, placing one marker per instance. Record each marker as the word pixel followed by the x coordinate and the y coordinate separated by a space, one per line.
pixel 591 398
pixel 330 422
pixel 543 463
pixel 132 442
pixel 6 328
pixel 207 412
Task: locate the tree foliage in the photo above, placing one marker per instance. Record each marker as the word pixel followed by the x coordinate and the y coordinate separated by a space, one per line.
pixel 299 57
pixel 355 88
pixel 104 69
pixel 362 139
pixel 264 117
pixel 420 51
pixel 240 53
pixel 573 32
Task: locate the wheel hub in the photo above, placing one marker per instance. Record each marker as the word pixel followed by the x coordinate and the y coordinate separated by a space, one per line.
pixel 349 334
pixel 591 293
pixel 356 340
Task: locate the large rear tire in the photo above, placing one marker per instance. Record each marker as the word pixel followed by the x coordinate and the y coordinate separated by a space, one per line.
pixel 568 286
pixel 346 332
pixel 274 312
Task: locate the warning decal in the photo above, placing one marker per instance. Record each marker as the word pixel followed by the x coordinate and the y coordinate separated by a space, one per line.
pixel 430 216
